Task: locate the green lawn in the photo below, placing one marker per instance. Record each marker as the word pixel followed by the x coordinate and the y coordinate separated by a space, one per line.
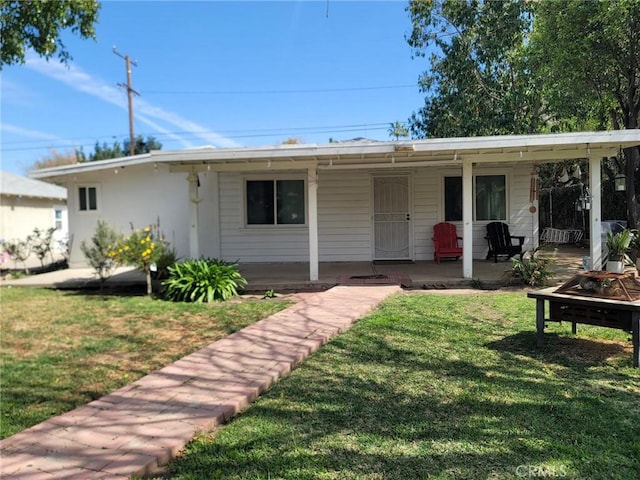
pixel 60 350
pixel 441 387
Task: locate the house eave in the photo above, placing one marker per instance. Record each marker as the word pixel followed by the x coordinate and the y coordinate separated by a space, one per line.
pixel 410 153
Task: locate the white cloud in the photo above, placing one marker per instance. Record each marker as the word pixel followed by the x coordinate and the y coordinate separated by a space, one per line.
pixel 16 94
pixel 145 112
pixel 9 128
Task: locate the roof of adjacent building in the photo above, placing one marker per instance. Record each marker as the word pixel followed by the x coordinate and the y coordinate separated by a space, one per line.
pixel 16 185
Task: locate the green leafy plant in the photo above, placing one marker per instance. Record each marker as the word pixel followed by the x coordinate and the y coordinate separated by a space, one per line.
pixel 269 293
pixel 203 280
pixel 477 284
pixel 532 269
pixel 99 251
pixel 618 244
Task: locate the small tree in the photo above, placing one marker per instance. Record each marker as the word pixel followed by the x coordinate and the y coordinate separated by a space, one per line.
pixel 99 252
pixel 397 130
pixel 18 251
pixel 144 249
pixel 41 242
pixel 64 246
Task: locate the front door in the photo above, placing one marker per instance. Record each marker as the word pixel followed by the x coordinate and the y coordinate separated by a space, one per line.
pixel 391 218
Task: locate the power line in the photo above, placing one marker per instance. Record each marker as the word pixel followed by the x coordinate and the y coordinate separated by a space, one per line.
pixel 240 135
pixel 274 92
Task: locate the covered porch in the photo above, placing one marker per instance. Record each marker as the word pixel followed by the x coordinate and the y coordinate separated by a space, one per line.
pixel 464 156
pixel 567 260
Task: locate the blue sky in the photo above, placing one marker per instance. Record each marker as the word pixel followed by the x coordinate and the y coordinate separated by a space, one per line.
pixel 217 73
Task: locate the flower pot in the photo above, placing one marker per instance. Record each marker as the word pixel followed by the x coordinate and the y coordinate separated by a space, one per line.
pixel 615 266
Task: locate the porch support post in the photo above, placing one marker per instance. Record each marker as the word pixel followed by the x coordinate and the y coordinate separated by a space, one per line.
pixel 536 215
pixel 595 213
pixel 312 194
pixel 467 219
pixel 194 200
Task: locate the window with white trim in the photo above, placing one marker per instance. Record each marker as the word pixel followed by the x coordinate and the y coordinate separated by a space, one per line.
pixel 87 198
pixel 57 213
pixel 275 202
pixel 490 193
pixel 491 197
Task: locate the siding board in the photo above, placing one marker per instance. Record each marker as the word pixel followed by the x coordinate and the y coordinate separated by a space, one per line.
pixel 344 217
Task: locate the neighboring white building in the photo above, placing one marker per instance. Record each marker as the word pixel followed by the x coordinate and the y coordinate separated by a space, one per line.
pixel 353 201
pixel 27 204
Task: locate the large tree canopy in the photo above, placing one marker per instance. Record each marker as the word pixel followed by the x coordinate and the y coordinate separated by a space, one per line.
pixel 38 24
pixel 589 55
pixel 516 66
pixel 477 83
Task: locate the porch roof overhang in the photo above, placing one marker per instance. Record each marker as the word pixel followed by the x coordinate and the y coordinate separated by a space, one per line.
pixel 540 148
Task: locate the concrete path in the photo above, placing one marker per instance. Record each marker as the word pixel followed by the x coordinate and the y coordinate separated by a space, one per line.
pixel 134 430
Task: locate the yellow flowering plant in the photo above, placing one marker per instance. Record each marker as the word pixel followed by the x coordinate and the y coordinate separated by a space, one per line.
pixel 146 249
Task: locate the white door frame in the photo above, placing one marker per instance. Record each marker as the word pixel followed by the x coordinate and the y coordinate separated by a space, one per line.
pixel 409 212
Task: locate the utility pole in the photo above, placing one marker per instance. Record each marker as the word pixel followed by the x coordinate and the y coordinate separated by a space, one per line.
pixel 130 93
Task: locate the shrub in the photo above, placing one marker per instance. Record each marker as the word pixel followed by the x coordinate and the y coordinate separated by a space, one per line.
pixel 18 251
pixel 144 249
pixel 99 251
pixel 532 269
pixel 41 242
pixel 203 280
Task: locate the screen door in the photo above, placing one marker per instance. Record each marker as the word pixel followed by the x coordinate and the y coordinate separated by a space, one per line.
pixel 391 218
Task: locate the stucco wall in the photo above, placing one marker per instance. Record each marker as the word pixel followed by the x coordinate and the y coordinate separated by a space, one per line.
pixel 20 215
pixel 139 195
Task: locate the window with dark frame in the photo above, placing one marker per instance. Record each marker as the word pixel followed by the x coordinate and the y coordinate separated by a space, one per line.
pixel 453 199
pixel 275 202
pixel 88 199
pixel 490 198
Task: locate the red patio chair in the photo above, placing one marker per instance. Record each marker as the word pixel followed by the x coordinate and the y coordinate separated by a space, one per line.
pixel 445 242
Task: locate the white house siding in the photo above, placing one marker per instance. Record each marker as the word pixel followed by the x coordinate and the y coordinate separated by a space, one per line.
pixel 344 216
pixel 138 195
pixel 427 210
pixel 428 207
pixel 255 243
pixel 521 220
pixel 141 195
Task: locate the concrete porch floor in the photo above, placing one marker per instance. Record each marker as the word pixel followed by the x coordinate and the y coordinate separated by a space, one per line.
pixel 423 274
pixel 288 277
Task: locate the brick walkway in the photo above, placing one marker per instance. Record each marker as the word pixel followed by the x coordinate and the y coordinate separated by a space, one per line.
pixel 143 425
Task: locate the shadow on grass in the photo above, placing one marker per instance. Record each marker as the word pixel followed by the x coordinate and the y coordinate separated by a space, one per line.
pixel 564 350
pixel 366 407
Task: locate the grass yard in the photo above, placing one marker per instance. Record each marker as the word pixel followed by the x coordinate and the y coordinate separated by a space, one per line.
pixel 60 350
pixel 441 387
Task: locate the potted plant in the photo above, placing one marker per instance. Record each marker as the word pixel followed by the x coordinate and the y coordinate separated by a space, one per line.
pixel 617 245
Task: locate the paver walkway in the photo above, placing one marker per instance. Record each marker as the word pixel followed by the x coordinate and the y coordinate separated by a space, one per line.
pixel 143 425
